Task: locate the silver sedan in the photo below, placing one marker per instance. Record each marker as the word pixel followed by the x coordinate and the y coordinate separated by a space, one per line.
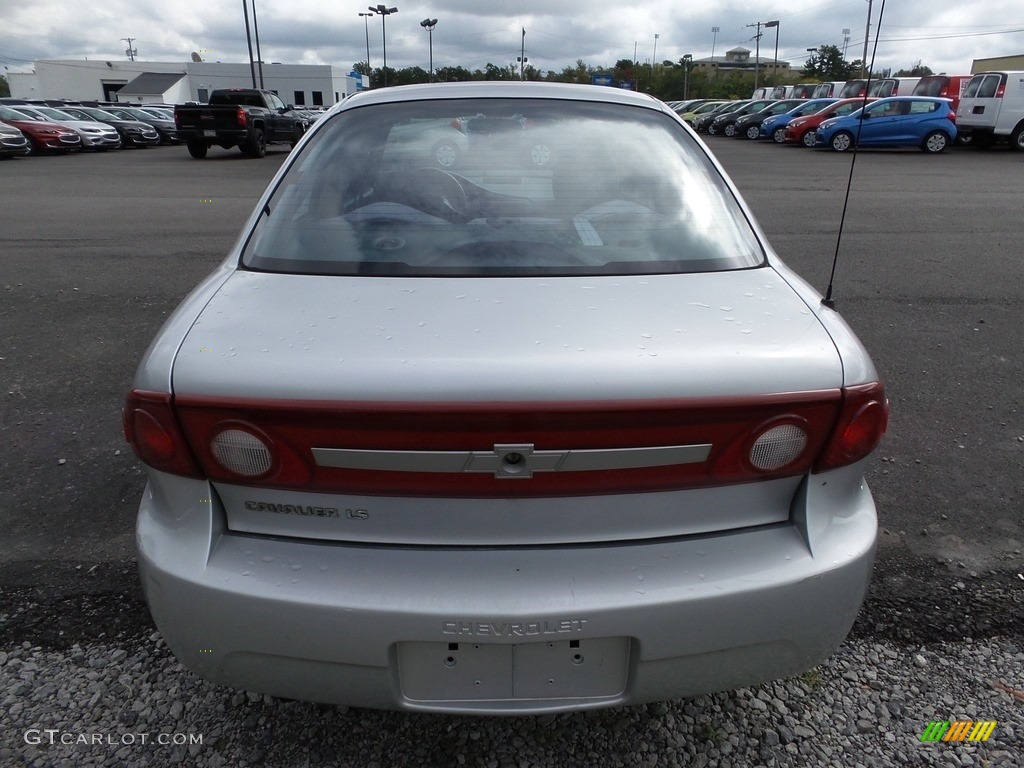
pixel 531 436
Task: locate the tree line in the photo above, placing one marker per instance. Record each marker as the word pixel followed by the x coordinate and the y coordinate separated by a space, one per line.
pixel 667 81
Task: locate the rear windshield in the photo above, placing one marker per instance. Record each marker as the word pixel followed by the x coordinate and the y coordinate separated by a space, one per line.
pixel 931 86
pixel 501 187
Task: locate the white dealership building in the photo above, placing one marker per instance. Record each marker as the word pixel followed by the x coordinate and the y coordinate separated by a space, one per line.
pixel 175 83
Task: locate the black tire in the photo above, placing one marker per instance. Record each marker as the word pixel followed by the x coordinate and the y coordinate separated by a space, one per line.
pixel 297 135
pixel 257 146
pixel 779 135
pixel 935 142
pixel 1017 138
pixel 730 130
pixel 809 138
pixel 753 132
pixel 842 141
pixel 197 149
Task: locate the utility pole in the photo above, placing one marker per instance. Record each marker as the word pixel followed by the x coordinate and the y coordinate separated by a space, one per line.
pixel 522 57
pixel 130 52
pixel 757 54
pixel 867 34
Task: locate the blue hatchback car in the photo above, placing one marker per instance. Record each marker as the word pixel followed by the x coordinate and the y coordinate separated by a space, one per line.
pixel 901 121
pixel 775 126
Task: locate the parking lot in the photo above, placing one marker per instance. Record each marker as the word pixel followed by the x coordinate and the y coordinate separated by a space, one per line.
pixel 99 248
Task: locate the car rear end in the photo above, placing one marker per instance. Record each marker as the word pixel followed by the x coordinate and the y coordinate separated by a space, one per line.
pixel 415 462
pixel 992 107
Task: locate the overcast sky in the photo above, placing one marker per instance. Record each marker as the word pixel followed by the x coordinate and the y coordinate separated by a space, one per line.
pixel 945 36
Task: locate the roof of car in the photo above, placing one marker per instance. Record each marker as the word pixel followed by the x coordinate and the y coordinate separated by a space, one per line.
pixel 492 89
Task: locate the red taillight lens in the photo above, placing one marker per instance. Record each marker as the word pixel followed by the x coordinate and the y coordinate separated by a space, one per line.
pixel 951 117
pixel 1000 90
pixel 242 116
pixel 152 430
pixel 862 423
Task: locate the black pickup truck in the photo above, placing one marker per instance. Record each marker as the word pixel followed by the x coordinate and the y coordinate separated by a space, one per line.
pixel 247 118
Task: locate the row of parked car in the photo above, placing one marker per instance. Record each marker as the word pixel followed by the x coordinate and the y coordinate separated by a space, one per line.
pixel 61 126
pixel 54 127
pixel 939 111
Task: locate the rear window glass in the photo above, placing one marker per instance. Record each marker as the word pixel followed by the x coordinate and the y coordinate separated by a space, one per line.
pixel 501 187
pixel 931 86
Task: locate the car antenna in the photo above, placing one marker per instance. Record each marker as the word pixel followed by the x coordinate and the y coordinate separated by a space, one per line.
pixel 828 301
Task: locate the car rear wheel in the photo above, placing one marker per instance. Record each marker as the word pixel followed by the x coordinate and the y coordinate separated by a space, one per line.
pixel 842 141
pixel 257 147
pixel 197 149
pixel 1017 138
pixel 779 135
pixel 935 142
pixel 809 139
pixel 753 132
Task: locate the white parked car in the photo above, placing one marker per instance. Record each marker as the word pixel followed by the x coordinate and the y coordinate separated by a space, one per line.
pixel 556 431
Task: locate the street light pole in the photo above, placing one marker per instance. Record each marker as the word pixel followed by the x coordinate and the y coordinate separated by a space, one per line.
pixel 775 61
pixel 714 39
pixel 429 24
pixel 867 33
pixel 687 63
pixel 384 12
pixel 366 29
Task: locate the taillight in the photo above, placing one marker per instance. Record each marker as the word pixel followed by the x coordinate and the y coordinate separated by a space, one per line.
pixel 152 430
pixel 241 116
pixel 1000 90
pixel 177 120
pixel 951 117
pixel 862 422
pixel 271 444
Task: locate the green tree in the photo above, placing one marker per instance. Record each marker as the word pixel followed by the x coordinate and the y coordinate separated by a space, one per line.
pixel 452 74
pixel 827 63
pixel 5 87
pixel 918 70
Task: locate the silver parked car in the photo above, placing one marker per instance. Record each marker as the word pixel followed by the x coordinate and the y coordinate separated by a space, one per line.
pixel 98 136
pixel 528 437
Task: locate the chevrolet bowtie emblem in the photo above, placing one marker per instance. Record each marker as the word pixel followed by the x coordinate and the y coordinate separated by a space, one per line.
pixel 512 460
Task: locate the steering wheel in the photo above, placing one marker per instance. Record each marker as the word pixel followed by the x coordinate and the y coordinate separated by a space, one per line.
pixel 439 193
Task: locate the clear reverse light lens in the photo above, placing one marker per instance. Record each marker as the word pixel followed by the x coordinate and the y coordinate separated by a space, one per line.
pixel 777 447
pixel 241 452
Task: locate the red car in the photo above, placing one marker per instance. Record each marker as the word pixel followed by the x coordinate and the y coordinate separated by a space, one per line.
pixel 43 136
pixel 801 129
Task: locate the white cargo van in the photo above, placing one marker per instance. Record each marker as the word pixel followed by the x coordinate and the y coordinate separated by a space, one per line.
pixel 831 88
pixel 893 86
pixel 992 108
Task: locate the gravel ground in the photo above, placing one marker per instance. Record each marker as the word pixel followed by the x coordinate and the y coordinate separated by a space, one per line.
pixel 866 707
pixel 116 697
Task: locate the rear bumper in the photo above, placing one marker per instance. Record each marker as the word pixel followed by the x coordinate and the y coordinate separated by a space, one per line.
pixel 457 630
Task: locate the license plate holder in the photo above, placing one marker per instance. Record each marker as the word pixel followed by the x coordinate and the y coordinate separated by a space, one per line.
pixel 209 134
pixel 556 669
